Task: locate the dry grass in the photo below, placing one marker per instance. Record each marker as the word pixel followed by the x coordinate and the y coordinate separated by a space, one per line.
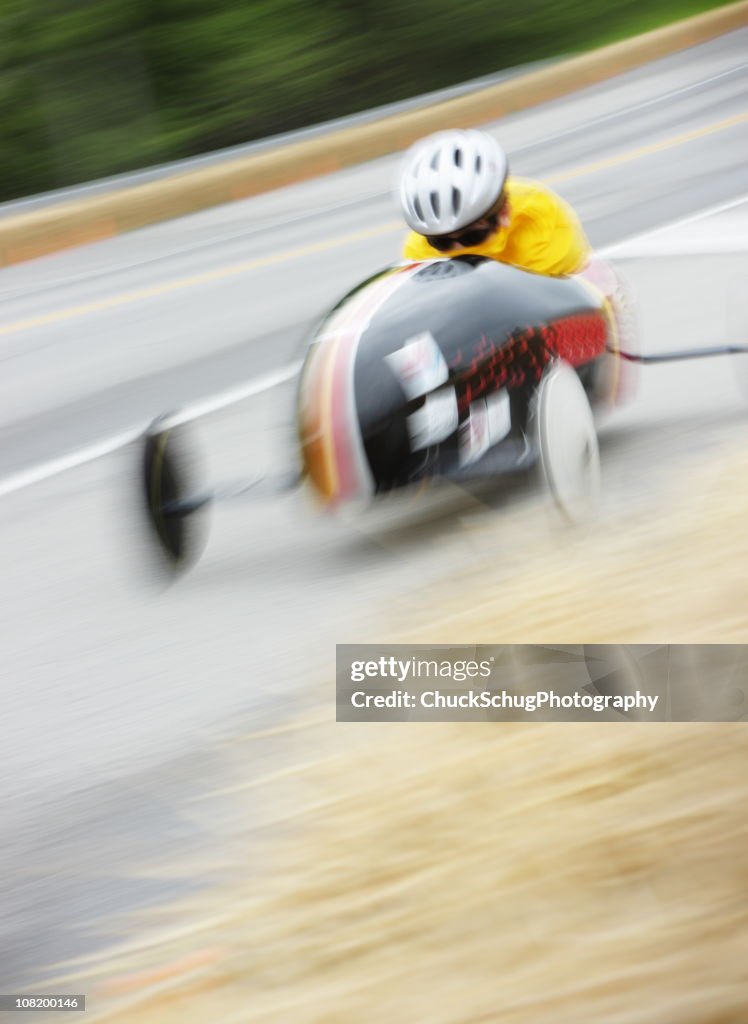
pixel 537 873
pixel 528 874
pixel 676 574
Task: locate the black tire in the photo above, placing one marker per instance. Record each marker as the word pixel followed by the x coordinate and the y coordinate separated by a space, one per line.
pixel 176 523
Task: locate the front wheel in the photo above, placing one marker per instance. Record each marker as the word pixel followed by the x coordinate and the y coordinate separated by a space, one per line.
pixel 567 441
pixel 172 515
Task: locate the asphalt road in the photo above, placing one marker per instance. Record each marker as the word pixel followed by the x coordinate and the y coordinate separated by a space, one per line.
pixel 115 697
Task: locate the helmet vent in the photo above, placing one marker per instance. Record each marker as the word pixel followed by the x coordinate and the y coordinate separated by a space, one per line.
pixel 478 163
pixel 435 203
pixel 458 158
pixel 417 208
pixel 455 201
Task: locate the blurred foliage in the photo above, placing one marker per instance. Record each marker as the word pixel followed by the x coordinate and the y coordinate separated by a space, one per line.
pixel 96 87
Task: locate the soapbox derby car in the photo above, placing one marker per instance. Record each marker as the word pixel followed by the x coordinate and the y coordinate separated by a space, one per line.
pixel 460 368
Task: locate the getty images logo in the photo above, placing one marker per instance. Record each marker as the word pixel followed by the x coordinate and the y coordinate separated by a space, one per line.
pixel 404 670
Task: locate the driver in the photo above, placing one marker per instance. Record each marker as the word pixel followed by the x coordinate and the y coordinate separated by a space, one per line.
pixel 457 197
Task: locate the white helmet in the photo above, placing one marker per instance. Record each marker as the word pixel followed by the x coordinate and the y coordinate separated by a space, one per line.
pixel 451 179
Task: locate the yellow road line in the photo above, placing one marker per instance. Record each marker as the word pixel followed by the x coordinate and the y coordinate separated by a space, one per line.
pixel 655 147
pixel 179 284
pixel 234 269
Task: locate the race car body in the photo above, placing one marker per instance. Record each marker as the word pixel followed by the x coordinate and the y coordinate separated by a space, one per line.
pixel 431 369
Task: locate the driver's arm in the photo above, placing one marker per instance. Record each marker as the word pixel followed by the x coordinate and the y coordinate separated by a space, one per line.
pixel 547 235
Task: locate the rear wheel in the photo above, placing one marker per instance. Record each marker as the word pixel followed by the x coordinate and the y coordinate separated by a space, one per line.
pixel 567 441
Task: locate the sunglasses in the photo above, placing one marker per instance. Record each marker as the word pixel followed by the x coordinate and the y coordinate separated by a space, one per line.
pixel 467 238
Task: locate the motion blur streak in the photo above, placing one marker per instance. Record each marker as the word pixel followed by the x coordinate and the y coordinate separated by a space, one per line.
pixel 125 718
pixel 657 147
pixel 168 287
pixel 234 269
pixel 107 445
pixel 533 873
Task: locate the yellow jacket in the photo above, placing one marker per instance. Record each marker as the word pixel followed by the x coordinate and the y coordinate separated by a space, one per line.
pixel 543 235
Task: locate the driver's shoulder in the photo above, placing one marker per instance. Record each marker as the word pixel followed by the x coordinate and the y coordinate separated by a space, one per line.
pixel 527 193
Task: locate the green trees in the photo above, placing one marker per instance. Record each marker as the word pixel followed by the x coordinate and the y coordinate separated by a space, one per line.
pixel 96 87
